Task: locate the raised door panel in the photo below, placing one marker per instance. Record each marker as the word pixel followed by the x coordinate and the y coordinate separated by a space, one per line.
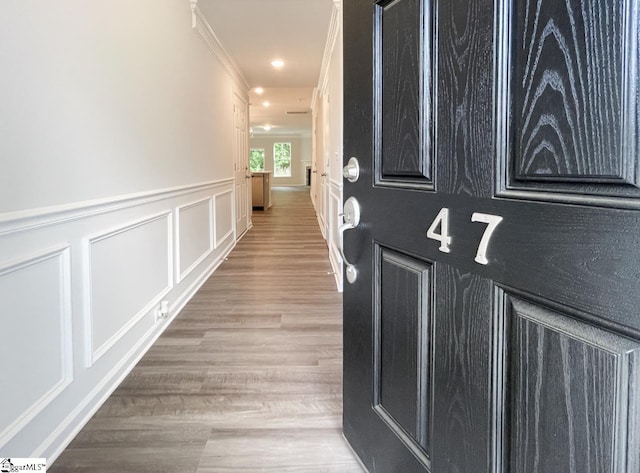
pixel 571 392
pixel 402 347
pixel 403 74
pixel 572 69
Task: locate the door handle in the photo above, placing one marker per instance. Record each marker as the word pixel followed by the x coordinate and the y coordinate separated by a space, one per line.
pixel 351 219
pixel 324 174
pixel 352 272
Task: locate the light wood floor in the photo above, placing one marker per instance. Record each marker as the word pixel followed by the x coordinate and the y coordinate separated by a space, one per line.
pixel 248 378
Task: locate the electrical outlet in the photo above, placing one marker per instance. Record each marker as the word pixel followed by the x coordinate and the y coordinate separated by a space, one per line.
pixel 164 308
pixel 162 311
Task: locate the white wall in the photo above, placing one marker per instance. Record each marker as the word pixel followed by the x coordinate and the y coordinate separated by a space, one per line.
pixel 102 98
pixel 300 155
pixel 116 192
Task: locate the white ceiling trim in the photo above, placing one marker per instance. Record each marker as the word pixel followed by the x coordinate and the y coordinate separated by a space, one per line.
pixel 332 37
pixel 201 25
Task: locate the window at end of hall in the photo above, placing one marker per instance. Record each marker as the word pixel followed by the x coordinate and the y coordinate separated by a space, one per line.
pixel 282 159
pixel 256 159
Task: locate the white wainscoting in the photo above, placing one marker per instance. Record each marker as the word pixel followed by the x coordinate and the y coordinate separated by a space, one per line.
pixel 79 293
pixel 129 271
pixel 35 351
pixel 194 235
pixel 224 217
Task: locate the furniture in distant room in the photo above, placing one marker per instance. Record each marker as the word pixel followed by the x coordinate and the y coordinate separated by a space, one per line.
pixel 261 189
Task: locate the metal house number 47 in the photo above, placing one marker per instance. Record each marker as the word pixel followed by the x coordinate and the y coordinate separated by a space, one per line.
pixel 442 221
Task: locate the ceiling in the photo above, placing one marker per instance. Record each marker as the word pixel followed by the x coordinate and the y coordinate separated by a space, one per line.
pixel 254 33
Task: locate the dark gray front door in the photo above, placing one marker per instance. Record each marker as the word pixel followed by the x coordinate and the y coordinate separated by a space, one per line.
pixel 494 326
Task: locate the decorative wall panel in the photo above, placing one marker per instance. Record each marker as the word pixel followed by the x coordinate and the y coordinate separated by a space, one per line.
pixel 223 217
pixel 35 301
pixel 194 230
pixel 129 271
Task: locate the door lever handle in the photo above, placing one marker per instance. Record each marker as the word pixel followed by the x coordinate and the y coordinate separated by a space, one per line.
pixel 351 219
pixel 352 272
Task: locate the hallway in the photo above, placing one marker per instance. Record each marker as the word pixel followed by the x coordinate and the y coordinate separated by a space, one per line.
pixel 248 376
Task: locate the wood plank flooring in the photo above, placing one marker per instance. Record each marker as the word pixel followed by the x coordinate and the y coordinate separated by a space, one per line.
pixel 248 378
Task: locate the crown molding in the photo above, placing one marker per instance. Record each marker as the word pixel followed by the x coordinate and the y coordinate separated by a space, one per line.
pixel 200 24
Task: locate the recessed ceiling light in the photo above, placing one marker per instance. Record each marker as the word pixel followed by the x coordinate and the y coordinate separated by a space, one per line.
pixel 266 127
pixel 266 104
pixel 277 63
pixel 259 90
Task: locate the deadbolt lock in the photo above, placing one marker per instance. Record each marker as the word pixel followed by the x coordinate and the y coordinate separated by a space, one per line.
pixel 351 171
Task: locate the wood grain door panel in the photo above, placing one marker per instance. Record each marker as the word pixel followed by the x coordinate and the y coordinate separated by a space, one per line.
pixel 569 77
pixel 403 91
pixel 402 347
pixel 571 393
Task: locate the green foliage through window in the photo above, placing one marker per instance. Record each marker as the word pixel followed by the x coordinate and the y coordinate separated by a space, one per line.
pixel 282 159
pixel 256 160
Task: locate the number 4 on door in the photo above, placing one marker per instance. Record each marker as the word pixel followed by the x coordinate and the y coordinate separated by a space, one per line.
pixel 442 220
